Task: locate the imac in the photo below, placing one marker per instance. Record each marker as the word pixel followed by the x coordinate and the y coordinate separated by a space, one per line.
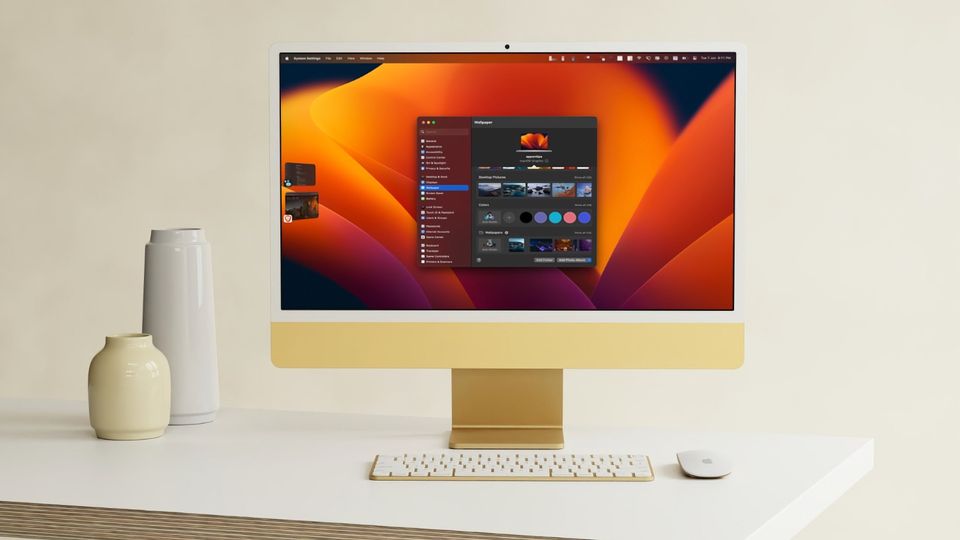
pixel 506 211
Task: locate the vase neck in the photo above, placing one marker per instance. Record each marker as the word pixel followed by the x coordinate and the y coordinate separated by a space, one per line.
pixel 130 340
pixel 177 236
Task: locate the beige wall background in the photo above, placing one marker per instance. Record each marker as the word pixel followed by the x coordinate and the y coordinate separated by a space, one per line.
pixel 119 117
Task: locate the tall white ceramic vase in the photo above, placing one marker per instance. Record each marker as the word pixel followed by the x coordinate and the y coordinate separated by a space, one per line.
pixel 178 312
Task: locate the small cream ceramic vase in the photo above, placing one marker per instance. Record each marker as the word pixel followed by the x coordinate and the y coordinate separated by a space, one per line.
pixel 129 389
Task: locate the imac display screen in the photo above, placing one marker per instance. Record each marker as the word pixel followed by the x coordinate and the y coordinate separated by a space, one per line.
pixel 507 181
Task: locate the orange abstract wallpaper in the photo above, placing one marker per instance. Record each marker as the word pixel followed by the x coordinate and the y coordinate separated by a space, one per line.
pixel 665 162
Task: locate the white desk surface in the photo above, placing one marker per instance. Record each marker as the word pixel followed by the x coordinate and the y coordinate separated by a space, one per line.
pixel 314 466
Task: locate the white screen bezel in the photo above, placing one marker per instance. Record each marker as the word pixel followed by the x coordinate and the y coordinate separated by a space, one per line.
pixel 419 316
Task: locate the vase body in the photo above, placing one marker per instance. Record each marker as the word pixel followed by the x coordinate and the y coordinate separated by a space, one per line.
pixel 178 312
pixel 128 387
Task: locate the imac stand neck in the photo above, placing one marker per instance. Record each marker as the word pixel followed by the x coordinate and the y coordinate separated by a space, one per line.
pixel 507 408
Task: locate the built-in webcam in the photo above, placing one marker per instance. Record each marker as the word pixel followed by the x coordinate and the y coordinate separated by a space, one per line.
pixel 506 46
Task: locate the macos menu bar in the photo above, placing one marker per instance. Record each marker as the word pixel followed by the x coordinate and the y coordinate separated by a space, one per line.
pixel 557 58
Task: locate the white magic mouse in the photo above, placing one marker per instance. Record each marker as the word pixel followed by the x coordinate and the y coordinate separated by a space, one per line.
pixel 704 464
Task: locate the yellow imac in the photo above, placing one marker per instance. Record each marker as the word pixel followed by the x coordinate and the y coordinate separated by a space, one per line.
pixel 506 211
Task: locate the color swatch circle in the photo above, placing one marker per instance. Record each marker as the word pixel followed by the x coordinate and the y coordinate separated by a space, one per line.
pixel 555 217
pixel 569 217
pixel 584 217
pixel 540 217
pixel 525 217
